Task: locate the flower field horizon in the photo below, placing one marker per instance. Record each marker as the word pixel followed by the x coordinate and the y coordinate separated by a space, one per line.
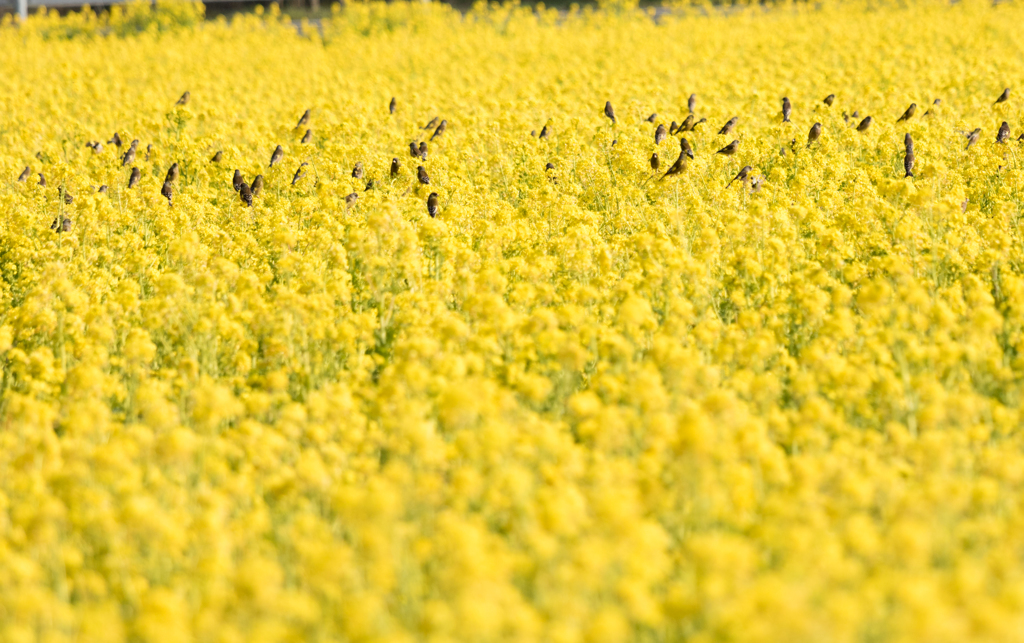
pixel 271 374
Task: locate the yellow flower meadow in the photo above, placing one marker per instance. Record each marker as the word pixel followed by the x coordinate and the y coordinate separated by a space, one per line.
pixel 583 403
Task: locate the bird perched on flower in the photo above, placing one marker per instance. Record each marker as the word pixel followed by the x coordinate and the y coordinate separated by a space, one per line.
pixel 172 173
pixel 304 119
pixel 357 171
pixel 276 156
pixel 307 137
pixel 608 111
pixel 133 180
pixel 652 118
pixel 1005 96
pixel 102 189
pixel 395 166
pixel 68 199
pixel 217 157
pixel 257 186
pixel 129 156
pixel 433 123
pixel 660 134
pixel 907 115
pixel 414 151
pixel 432 208
pixel 42 180
pixel 24 175
pixel 440 129
pixel 655 162
pixel 787 109
pixel 167 192
pixel 831 98
pixel 115 140
pixel 423 150
pixel 299 173
pixel 421 174
pixel 729 124
pixel 691 102
pixel 245 194
pixel 687 124
pixel 149 148
pixel 1004 133
pixel 673 128
pixel 908 163
pixel 351 198
pixel 741 176
pixel 973 137
pixel 908 142
pixel 684 152
pixel 864 124
pixel 237 180
pixel 814 134
pixel 729 149
pixel 184 99
pixel 392 105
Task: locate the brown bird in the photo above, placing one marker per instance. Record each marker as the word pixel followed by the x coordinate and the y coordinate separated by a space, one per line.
pixel 1004 133
pixel 172 173
pixel 149 148
pixel 687 124
pixel 729 149
pixel 549 166
pixel 660 134
pixel 864 124
pixel 655 162
pixel 694 126
pixel 102 190
pixel 133 180
pixel 65 225
pixel 395 166
pixel 544 132
pixel 673 128
pixel 116 140
pixel 68 199
pixel 831 98
pixel 42 180
pixel 370 185
pixel 421 174
pixel 184 99
pixel 908 164
pixel 217 157
pixel 691 102
pixel 608 111
pixel 304 119
pixel 357 171
pixel 973 137
pixel 433 123
pixel 299 173
pixel 423 150
pixel 277 155
pixel 257 186
pixel 652 118
pixel 392 105
pixel 680 164
pixel 414 151
pixel 237 180
pixel 814 134
pixel 168 192
pixel 741 176
pixel 729 124
pixel 907 115
pixel 908 142
pixel 245 194
pixel 307 137
pixel 432 207
pixel 351 198
pixel 1005 96
pixel 440 129
pixel 129 156
pixel 24 175
pixel 787 109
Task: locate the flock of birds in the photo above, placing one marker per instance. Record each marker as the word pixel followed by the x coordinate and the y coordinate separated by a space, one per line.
pixel 247 192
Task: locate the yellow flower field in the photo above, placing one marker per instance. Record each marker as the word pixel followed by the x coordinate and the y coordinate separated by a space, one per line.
pixel 582 403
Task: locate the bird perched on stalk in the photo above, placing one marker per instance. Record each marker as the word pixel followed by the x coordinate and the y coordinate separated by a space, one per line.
pixel 1004 133
pixel 908 163
pixel 973 137
pixel 257 186
pixel 1005 96
pixel 787 109
pixel 414 151
pixel 864 124
pixel 831 98
pixel 392 105
pixel 907 115
pixel 691 102
pixel 608 111
pixel 655 162
pixel 172 173
pixel 307 137
pixel 421 174
pixel 115 140
pixel 433 123
pixel 423 150
pixel 304 119
pixel 184 99
pixel 351 198
pixel 652 118
pixel 660 134
pixel 217 157
pixel 432 208
pixel 24 174
pixel 729 124
pixel 687 124
pixel 684 152
pixel 129 156
pixel 729 149
pixel 133 180
pixel 237 180
pixel 357 171
pixel 908 142
pixel 299 173
pixel 395 166
pixel 167 192
pixel 276 156
pixel 741 176
pixel 440 129
pixel 245 194
pixel 814 134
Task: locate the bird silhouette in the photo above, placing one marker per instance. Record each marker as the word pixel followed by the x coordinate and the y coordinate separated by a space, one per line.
pixel 864 124
pixel 392 105
pixel 831 98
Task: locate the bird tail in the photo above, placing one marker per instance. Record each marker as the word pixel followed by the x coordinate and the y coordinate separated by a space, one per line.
pixel 909 175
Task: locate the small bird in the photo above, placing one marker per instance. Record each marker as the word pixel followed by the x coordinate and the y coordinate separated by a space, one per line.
pixel 414 150
pixel 423 150
pixel 24 175
pixel 787 108
pixel 544 132
pixel 680 164
pixel 729 124
pixel 245 194
pixel 168 192
pixel 660 134
pixel 257 186
pixel 129 156
pixel 814 134
pixel 237 180
pixel 831 98
pixel 907 115
pixel 395 166
pixel 687 124
pixel 133 180
pixel 217 157
pixel 608 111
pixel 1004 133
pixel 184 99
pixel 673 128
pixel 432 207
pixel 652 118
pixel 68 199
pixel 549 166
pixel 433 123
pixel 65 225
pixel 351 198
pixel 392 105
pixel 102 189
pixel 1005 96
pixel 149 148
pixel 908 142
pixel 304 119
pixel 370 185
pixel 691 102
pixel 908 164
pixel 115 140
pixel 307 137
pixel 729 149
pixel 421 174
pixel 172 173
pixel 741 176
pixel 42 180
pixel 864 124
pixel 357 171
pixel 973 137
pixel 694 126
pixel 299 173
pixel 440 129
pixel 277 155
pixel 684 146
pixel 655 162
